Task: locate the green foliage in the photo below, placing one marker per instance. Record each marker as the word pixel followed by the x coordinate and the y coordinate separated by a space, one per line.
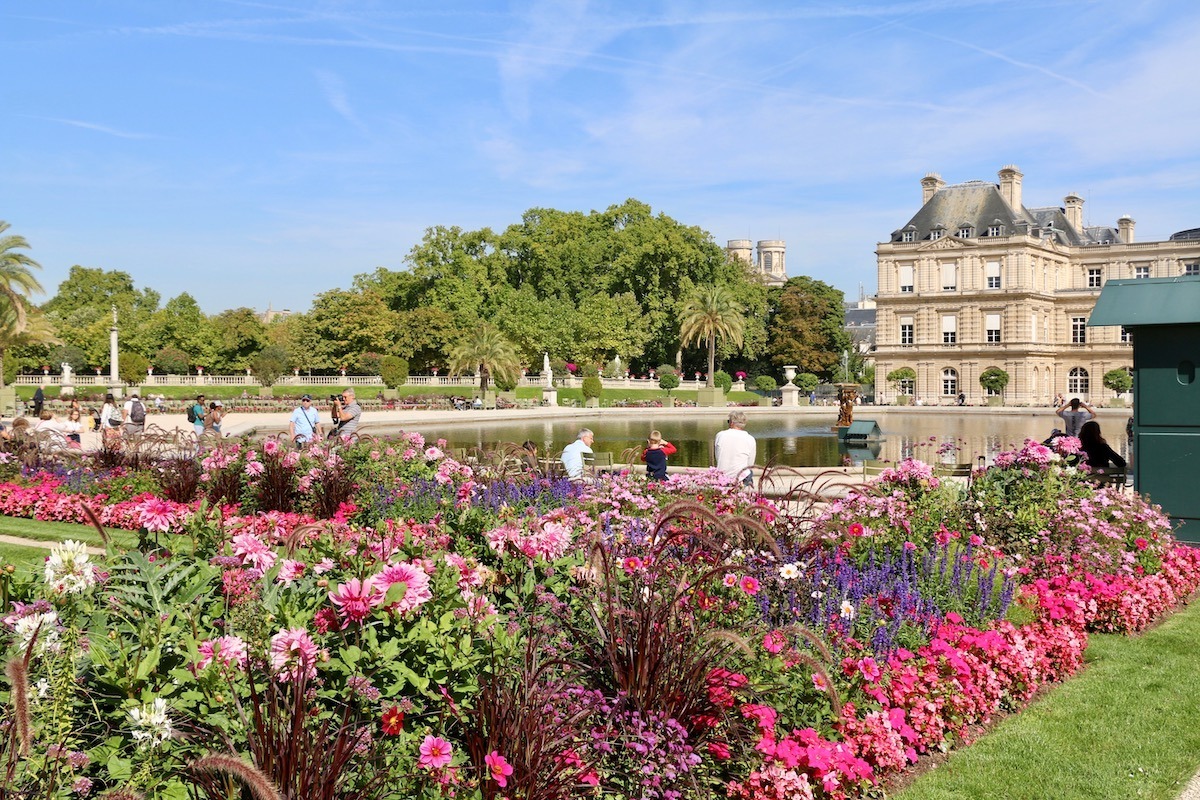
pixel 614 369
pixel 668 381
pixel 270 363
pixel 902 374
pixel 237 335
pixel 722 380
pixel 806 381
pixel 486 352
pixel 765 383
pixel 131 368
pixel 993 379
pixel 592 387
pixel 69 354
pixel 172 361
pixel 711 314
pixel 1118 380
pixel 394 371
pixel 808 326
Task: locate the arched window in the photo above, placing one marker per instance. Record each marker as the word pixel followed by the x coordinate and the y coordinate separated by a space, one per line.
pixel 1077 381
pixel 949 382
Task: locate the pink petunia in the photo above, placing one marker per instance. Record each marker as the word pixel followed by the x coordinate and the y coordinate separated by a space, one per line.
pixel 498 768
pixel 436 753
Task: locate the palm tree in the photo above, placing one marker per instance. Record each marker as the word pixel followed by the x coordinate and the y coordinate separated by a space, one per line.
pixel 34 329
pixel 16 279
pixel 708 314
pixel 487 353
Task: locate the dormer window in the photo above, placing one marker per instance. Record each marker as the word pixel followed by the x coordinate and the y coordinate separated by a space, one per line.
pixel 935 235
pixel 907 236
pixel 995 230
pixel 965 232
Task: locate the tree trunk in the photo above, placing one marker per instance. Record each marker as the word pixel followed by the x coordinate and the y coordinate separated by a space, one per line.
pixel 712 359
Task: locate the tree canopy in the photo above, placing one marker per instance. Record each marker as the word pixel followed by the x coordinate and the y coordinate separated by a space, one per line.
pixel 807 326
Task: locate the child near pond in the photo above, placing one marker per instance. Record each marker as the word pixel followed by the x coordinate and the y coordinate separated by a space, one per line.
pixel 655 455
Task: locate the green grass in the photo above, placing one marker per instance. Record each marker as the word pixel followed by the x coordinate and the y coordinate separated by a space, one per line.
pixel 20 556
pixel 1124 727
pixel 61 531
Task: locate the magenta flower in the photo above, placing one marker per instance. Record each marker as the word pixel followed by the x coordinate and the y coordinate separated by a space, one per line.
pixel 498 767
pixel 436 753
pixel 293 654
pixel 271 447
pixel 750 585
pixel 355 599
pixel 416 585
pixel 156 514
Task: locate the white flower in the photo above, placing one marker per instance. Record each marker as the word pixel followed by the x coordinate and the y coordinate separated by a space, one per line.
pixel 24 628
pixel 68 569
pixel 789 572
pixel 847 610
pixel 151 725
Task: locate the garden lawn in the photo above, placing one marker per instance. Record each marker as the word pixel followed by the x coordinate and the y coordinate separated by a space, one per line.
pixel 19 556
pixel 61 531
pixel 1124 727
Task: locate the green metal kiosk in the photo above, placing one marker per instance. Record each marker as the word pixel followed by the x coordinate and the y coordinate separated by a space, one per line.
pixel 1163 314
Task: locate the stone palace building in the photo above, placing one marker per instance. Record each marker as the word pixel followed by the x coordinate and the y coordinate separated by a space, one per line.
pixel 977 280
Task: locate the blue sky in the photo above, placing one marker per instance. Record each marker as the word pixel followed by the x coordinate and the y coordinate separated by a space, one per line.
pixel 256 153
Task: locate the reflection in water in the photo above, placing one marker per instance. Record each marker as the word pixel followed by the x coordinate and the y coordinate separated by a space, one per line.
pixel 801 441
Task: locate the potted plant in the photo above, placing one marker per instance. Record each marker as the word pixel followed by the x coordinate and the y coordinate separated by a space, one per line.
pixel 994 379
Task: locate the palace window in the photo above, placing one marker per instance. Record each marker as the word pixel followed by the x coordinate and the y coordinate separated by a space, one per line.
pixel 965 233
pixel 992 328
pixel 906 278
pixel 1078 330
pixel 995 230
pixel 935 235
pixel 949 382
pixel 1095 278
pixel 908 236
pixel 991 272
pixel 1191 269
pixel 1141 272
pixel 1077 381
pixel 906 386
pixel 906 330
pixel 949 329
pixel 1126 335
pixel 949 277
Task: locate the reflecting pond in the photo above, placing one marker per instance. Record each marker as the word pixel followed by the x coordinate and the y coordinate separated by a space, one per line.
pixel 794 440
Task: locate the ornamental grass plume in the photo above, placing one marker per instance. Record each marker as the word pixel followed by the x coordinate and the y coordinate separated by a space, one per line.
pixel 17 671
pixel 260 786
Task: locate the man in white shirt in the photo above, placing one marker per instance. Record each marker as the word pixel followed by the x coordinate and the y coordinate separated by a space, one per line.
pixel 572 454
pixel 736 450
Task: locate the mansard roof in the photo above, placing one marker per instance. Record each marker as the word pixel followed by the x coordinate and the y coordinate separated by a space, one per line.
pixel 980 206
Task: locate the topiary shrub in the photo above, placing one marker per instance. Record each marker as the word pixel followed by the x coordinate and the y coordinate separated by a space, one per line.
pixel 722 380
pixel 270 363
pixel 806 381
pixel 394 371
pixel 668 381
pixel 765 383
pixel 592 387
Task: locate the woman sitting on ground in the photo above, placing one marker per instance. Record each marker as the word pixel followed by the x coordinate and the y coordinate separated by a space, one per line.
pixel 1098 453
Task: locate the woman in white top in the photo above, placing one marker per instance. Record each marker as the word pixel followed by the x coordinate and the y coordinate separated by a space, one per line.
pixel 110 413
pixel 73 428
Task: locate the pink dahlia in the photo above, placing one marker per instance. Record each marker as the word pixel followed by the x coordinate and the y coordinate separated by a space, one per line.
pixel 228 651
pixel 416 585
pixel 436 753
pixel 156 514
pixel 498 767
pixel 355 599
pixel 293 654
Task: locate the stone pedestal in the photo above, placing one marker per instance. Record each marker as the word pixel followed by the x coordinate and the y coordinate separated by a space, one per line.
pixel 791 395
pixel 738 386
pixel 550 397
pixel 710 398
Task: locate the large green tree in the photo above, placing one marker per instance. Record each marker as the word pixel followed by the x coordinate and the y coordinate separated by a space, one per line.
pixel 343 325
pixel 807 326
pixel 710 314
pixel 237 334
pixel 81 312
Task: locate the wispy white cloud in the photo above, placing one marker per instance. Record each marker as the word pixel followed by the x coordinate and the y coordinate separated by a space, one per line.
pixel 93 126
pixel 333 88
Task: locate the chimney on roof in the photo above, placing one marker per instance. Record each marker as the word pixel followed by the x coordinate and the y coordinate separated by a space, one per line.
pixel 1010 186
pixel 929 186
pixel 1074 210
pixel 1125 229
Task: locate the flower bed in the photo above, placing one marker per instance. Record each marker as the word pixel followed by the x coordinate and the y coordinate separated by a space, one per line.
pixel 382 621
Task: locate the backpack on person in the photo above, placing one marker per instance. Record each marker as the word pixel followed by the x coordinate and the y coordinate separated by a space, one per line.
pixel 137 413
pixel 191 413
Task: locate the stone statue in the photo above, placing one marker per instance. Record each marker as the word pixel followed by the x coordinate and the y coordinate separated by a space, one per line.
pixel 66 374
pixel 846 397
pixel 546 371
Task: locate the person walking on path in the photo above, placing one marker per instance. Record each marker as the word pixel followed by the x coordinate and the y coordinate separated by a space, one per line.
pixel 1073 420
pixel 572 454
pixel 305 424
pixel 655 455
pixel 111 419
pixel 736 450
pixel 347 413
pixel 39 399
pixel 133 413
pixel 196 415
pixel 212 419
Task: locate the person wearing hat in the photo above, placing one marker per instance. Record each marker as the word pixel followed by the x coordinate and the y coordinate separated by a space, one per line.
pixel 196 415
pixel 305 424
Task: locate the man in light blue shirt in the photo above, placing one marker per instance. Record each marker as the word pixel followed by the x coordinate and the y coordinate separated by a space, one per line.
pixel 305 424
pixel 572 454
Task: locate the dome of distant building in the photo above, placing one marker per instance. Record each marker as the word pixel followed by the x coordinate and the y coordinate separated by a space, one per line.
pixel 1183 236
